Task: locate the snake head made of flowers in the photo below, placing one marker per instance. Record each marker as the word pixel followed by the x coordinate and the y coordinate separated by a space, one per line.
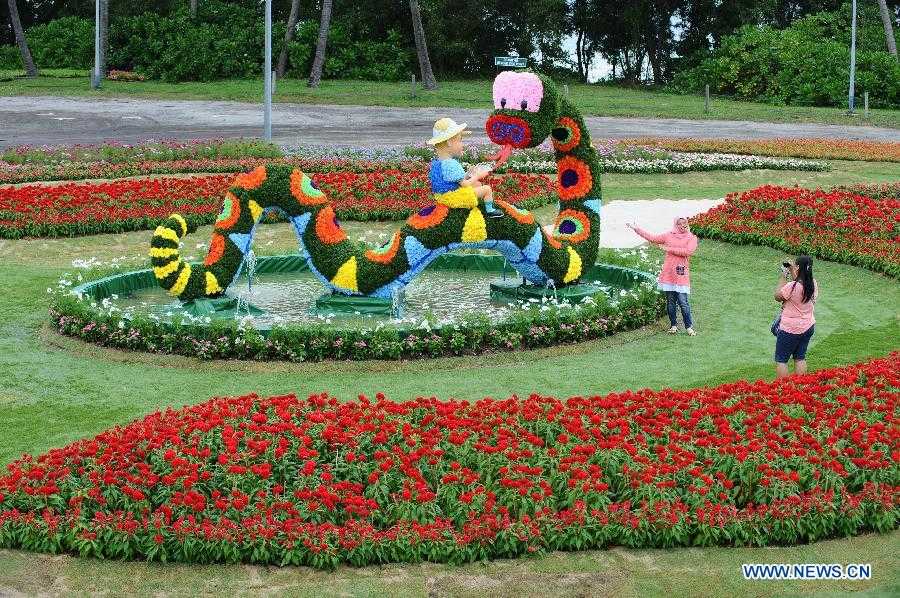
pixel 526 106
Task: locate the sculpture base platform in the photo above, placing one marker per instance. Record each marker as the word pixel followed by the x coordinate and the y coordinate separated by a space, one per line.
pixel 221 308
pixel 512 290
pixel 335 303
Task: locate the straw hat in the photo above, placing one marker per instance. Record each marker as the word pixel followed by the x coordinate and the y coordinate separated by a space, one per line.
pixel 446 129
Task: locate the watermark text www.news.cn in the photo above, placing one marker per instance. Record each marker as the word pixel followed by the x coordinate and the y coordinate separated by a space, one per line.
pixel 784 571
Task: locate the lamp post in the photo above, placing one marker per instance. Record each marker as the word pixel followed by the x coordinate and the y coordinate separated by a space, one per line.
pixel 95 79
pixel 267 76
pixel 852 91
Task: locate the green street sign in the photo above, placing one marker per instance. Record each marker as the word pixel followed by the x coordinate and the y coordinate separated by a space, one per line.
pixel 513 61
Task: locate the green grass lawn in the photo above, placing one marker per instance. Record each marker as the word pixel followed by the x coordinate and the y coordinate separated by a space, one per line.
pixel 54 390
pixel 599 100
pixel 617 572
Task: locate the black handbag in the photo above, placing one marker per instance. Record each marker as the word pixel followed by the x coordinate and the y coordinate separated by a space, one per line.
pixel 776 323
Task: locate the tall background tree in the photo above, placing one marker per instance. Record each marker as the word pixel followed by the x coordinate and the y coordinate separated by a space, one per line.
pixel 428 79
pixel 888 28
pixel 104 35
pixel 315 75
pixel 635 41
pixel 30 68
pixel 288 38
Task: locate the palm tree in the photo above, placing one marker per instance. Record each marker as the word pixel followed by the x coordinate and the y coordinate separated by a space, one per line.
pixel 30 69
pixel 888 28
pixel 315 75
pixel 288 37
pixel 428 79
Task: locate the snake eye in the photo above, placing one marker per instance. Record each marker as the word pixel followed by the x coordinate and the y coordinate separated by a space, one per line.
pixel 524 104
pixel 503 102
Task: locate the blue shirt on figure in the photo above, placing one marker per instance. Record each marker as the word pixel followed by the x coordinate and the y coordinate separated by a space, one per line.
pixel 445 175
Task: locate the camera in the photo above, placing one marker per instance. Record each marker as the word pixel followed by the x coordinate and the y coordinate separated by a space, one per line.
pixel 786 269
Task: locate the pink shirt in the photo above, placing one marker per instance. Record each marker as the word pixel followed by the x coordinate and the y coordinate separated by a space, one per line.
pixel 676 270
pixel 797 317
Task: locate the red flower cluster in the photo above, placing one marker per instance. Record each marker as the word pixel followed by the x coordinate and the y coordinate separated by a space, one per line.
pixel 317 481
pixel 66 169
pixel 838 225
pixel 71 209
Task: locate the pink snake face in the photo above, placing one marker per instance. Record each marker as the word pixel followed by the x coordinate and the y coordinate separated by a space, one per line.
pixel 518 98
pixel 518 91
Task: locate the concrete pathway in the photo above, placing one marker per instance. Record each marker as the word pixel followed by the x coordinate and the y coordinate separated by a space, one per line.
pixel 54 120
pixel 654 215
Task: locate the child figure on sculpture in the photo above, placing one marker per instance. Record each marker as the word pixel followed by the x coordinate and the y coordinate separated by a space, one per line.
pixel 451 185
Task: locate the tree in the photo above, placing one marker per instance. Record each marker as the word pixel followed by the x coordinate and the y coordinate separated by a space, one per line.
pixel 315 75
pixel 888 28
pixel 193 9
pixel 658 36
pixel 428 80
pixel 587 24
pixel 30 69
pixel 104 35
pixel 289 37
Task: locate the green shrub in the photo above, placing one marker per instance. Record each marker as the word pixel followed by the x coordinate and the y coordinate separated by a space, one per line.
pixel 225 43
pixel 387 60
pixel 66 43
pixel 10 58
pixel 807 63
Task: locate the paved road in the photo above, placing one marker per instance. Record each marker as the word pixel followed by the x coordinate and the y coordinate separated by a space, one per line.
pixel 53 120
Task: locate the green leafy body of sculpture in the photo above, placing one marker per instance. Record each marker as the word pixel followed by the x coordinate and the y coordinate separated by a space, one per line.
pixel 528 108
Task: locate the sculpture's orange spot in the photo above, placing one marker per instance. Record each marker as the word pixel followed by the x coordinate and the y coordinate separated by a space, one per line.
pixel 251 180
pixel 385 254
pixel 327 228
pixel 216 249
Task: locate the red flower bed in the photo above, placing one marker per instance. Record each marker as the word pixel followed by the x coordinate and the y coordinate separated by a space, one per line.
pixel 838 225
pixel 319 482
pixel 88 208
pixel 66 170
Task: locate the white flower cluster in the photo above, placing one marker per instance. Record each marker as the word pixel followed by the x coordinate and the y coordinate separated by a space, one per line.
pixel 677 163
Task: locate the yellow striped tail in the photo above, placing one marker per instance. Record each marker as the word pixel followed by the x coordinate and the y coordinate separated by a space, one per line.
pixel 173 273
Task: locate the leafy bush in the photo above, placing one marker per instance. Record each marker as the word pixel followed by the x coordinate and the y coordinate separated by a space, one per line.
pixel 10 58
pixel 66 43
pixel 345 58
pixel 807 63
pixel 223 42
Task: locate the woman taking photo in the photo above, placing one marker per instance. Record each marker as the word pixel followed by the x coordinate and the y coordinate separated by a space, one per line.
pixel 675 278
pixel 797 291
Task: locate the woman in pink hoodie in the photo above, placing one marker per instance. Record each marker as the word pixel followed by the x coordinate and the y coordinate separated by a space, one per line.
pixel 675 277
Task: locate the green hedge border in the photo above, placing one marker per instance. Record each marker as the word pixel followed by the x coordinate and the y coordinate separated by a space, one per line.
pixel 74 315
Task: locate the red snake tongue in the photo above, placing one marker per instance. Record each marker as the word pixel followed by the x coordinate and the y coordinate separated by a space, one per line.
pixel 502 156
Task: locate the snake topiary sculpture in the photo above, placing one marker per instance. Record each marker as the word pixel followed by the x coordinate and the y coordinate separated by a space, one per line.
pixel 528 108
